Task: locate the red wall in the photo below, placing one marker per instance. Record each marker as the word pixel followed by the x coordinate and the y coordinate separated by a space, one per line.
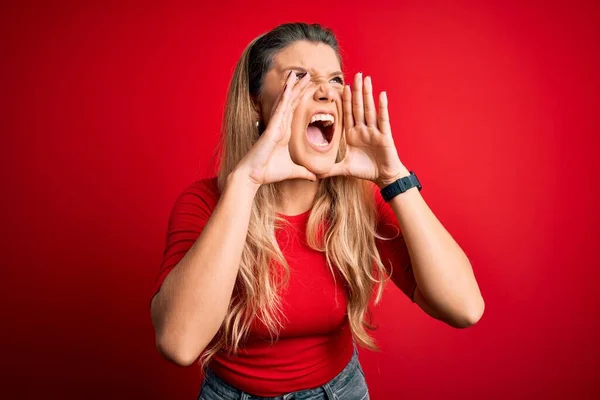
pixel 110 110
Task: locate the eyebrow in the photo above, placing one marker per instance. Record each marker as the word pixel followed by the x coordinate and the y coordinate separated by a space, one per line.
pixel 305 70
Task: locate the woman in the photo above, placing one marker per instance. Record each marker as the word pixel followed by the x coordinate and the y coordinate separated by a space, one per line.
pixel 269 269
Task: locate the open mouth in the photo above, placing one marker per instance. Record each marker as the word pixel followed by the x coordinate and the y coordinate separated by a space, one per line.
pixel 320 130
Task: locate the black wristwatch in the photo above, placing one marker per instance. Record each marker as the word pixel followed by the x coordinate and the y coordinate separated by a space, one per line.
pixel 400 186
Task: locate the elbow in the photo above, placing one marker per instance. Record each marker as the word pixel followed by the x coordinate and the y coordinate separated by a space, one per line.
pixel 181 359
pixel 176 352
pixel 471 316
pixel 170 342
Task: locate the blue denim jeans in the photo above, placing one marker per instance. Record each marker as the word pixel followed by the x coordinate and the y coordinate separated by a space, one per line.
pixel 349 384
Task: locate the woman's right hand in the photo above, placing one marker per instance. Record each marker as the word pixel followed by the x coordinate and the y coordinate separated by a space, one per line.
pixel 269 159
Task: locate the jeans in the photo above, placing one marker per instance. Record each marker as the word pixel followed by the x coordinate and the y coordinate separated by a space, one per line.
pixel 349 384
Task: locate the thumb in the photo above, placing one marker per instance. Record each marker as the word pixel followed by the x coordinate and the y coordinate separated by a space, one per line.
pixel 337 169
pixel 299 171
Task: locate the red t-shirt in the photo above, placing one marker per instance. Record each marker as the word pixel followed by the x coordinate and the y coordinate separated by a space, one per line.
pixel 316 343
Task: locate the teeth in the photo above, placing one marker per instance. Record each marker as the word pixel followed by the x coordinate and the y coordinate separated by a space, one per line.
pixel 327 118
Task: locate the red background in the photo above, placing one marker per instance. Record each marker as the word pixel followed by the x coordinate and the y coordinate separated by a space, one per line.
pixel 110 109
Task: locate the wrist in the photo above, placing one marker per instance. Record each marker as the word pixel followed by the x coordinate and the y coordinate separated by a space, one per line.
pixel 389 179
pixel 240 179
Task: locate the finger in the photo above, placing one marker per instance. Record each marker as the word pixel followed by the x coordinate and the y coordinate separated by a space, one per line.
pixel 287 95
pixel 297 93
pixel 384 117
pixel 299 171
pixel 370 113
pixel 299 89
pixel 347 108
pixel 282 100
pixel 357 100
pixel 337 169
pixel 280 111
pixel 287 83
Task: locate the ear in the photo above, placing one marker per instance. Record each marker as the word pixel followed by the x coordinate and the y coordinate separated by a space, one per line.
pixel 256 106
pixel 257 115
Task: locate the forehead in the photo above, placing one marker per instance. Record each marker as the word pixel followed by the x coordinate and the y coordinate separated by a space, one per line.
pixel 317 58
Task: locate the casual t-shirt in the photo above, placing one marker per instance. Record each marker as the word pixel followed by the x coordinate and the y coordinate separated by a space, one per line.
pixel 316 342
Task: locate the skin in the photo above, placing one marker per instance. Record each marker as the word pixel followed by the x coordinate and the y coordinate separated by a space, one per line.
pixel 324 92
pixel 192 302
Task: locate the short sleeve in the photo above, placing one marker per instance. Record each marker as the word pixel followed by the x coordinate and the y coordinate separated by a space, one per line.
pixel 187 219
pixel 394 252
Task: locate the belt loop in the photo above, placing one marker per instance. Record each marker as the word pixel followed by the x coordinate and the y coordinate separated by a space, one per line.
pixel 329 392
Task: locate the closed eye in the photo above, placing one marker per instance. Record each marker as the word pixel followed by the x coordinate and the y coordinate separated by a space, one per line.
pixel 337 79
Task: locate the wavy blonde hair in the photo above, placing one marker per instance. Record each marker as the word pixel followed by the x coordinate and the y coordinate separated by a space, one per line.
pixel 342 222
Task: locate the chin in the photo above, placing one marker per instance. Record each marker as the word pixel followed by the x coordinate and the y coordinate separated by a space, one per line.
pixel 318 167
pixel 316 162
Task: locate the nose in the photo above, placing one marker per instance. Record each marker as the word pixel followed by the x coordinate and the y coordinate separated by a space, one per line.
pixel 325 92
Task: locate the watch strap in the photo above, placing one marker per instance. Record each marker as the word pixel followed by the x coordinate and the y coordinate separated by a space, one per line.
pixel 400 186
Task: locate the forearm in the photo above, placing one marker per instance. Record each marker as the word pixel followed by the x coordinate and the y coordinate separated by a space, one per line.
pixel 442 270
pixel 194 298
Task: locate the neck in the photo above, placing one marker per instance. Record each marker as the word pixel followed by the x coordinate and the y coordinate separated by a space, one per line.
pixel 298 196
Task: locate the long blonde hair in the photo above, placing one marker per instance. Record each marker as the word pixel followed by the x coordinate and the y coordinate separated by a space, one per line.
pixel 342 222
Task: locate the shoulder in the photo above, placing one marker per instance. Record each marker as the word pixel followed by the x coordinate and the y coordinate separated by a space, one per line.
pixel 204 188
pixel 200 195
pixel 387 223
pixel 382 208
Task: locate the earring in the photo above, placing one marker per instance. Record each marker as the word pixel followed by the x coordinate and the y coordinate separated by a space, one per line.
pixel 257 124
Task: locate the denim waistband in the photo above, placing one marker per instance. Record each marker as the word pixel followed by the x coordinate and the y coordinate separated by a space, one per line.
pixel 228 392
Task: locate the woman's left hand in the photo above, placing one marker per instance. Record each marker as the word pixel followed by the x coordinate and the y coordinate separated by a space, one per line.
pixel 371 153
